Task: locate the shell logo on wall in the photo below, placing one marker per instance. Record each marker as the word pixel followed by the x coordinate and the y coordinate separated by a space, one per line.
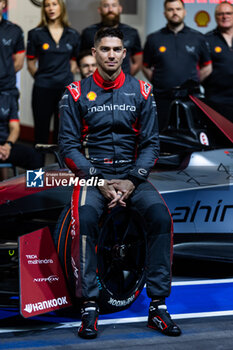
pixel 202 18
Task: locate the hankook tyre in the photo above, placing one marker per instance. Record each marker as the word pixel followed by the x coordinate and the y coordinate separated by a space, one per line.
pixel 121 252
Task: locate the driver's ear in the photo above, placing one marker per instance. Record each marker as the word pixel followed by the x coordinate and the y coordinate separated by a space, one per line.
pixel 93 51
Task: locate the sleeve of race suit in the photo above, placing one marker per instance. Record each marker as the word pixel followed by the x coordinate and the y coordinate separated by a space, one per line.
pixel 148 143
pixel 70 138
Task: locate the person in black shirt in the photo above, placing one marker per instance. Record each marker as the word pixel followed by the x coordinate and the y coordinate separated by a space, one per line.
pixel 12 52
pixel 52 51
pixel 171 57
pixel 10 151
pixel 110 11
pixel 219 85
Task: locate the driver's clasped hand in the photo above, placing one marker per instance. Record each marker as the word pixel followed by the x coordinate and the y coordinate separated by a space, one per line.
pixel 117 191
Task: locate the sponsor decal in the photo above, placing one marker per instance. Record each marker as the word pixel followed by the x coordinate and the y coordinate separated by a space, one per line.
pixel 40 261
pixel 129 93
pixel 162 49
pixel 204 139
pixel 6 42
pixel 142 171
pixel 40 178
pixel 35 178
pixel 119 303
pixel 218 49
pixel 75 90
pixel 69 47
pixel 42 282
pixel 110 107
pixel 203 212
pixel 46 304
pixel 145 89
pixel 92 171
pixel 202 18
pixel 108 161
pixel 229 154
pixel 49 279
pixel 91 96
pixel 190 49
pixel 45 46
pixel 5 111
pixel 99 283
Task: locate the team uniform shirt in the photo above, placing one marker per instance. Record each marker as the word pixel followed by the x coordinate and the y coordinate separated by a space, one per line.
pixel 11 42
pixel 109 127
pixel 219 84
pixel 53 59
pixel 131 41
pixel 175 57
pixel 8 113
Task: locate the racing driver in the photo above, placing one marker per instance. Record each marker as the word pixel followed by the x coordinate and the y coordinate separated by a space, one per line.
pixel 105 120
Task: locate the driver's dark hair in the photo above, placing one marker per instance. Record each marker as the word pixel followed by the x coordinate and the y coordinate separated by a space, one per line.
pixel 167 1
pixel 108 32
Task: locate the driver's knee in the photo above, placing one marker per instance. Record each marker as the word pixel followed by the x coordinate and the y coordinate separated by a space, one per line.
pixel 158 219
pixel 88 219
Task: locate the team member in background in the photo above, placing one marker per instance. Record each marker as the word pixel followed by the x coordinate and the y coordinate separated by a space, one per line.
pixel 11 152
pixel 12 52
pixel 219 85
pixel 86 63
pixel 110 11
pixel 171 57
pixel 52 51
pixel 104 120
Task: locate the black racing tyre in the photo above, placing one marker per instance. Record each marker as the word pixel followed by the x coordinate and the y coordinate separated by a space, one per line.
pixel 121 255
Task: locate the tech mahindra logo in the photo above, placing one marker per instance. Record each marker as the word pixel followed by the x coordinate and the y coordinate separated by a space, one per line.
pixel 110 107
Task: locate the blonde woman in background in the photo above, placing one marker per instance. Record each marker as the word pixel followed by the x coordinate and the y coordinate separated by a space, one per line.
pixel 52 50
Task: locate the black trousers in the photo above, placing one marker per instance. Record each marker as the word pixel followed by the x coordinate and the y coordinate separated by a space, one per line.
pixel 44 105
pixel 88 205
pixel 25 157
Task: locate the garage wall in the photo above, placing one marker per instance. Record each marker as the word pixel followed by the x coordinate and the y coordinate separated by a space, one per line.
pixel 149 17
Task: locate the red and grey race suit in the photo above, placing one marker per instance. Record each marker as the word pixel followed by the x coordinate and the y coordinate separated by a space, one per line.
pixel 109 130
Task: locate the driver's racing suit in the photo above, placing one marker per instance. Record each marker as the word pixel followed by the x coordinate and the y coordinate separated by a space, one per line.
pixel 109 130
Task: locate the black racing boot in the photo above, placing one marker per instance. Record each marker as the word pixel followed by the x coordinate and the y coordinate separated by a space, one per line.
pixel 160 319
pixel 88 328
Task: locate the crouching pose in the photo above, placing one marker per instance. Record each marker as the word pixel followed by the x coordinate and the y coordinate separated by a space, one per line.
pixel 108 129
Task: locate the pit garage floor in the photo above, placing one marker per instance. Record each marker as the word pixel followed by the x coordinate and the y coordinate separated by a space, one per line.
pixel 201 306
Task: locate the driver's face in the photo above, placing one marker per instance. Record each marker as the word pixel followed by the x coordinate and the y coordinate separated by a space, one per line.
pixel 109 54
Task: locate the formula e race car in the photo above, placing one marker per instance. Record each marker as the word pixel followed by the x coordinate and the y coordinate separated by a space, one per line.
pixel 194 176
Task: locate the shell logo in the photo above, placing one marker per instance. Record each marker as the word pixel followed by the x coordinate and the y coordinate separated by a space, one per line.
pixel 162 49
pixel 45 46
pixel 202 18
pixel 91 96
pixel 217 49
